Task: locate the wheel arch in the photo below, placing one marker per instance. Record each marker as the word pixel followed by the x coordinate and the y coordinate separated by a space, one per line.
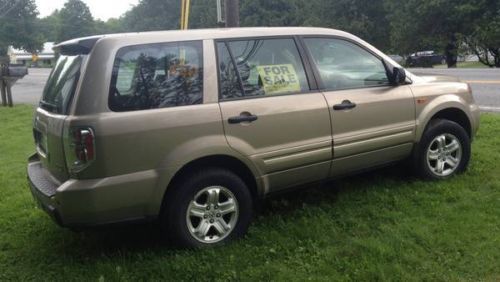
pixel 445 107
pixel 228 162
pixel 455 115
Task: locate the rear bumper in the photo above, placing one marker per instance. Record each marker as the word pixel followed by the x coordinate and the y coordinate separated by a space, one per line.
pixel 43 191
pixel 93 202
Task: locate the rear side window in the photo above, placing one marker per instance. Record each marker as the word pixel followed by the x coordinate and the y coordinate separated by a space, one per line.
pixel 157 75
pixel 61 84
pixel 260 67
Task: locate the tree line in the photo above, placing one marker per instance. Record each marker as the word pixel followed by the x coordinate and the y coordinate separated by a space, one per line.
pixel 394 26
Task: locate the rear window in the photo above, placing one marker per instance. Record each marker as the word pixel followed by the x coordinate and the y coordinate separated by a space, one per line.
pixel 61 84
pixel 159 75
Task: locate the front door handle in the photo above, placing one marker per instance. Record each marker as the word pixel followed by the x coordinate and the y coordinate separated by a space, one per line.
pixel 345 105
pixel 243 117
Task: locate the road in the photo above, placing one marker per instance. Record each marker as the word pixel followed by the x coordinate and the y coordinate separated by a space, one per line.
pixel 29 89
pixel 485 85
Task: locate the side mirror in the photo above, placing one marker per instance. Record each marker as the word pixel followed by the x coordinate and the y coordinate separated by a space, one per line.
pixel 398 76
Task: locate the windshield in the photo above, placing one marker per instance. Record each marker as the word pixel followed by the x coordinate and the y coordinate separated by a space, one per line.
pixel 61 84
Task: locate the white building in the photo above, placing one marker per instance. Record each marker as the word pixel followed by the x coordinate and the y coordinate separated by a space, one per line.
pixel 45 58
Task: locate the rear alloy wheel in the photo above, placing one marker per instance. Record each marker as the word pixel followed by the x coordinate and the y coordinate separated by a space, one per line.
pixel 212 214
pixel 443 151
pixel 207 207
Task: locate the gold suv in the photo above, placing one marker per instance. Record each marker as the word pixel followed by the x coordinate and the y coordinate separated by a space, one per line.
pixel 193 127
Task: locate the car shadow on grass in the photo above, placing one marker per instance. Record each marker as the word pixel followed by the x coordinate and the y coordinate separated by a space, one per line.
pixel 146 237
pixel 290 201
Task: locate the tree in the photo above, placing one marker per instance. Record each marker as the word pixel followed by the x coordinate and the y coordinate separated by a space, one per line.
pixel 273 12
pixel 49 27
pixel 110 26
pixel 364 18
pixel 18 26
pixel 483 40
pixel 75 21
pixel 434 24
pixel 153 15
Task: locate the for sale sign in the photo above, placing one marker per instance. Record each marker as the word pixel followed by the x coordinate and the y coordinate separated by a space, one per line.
pixel 278 79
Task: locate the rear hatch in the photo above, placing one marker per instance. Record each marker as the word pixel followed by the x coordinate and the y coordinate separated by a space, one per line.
pixel 48 123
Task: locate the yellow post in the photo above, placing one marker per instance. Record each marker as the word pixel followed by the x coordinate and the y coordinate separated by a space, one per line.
pixel 185 4
pixel 186 13
pixel 183 12
pixel 184 25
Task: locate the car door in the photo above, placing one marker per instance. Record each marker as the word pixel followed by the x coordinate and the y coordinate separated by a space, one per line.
pixel 270 113
pixel 373 122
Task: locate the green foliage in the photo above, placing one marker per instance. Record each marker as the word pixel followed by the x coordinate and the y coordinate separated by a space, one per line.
pixel 75 20
pixel 432 24
pixel 49 26
pixel 153 15
pixel 378 226
pixel 484 36
pixel 18 26
pixel 395 26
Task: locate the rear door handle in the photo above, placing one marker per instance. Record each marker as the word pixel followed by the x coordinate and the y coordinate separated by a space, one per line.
pixel 345 105
pixel 243 117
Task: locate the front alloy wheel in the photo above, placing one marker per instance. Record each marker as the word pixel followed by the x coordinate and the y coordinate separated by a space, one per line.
pixel 443 150
pixel 212 214
pixel 444 154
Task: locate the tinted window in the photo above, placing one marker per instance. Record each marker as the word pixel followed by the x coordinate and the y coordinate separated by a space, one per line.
pixel 61 84
pixel 263 67
pixel 344 65
pixel 157 76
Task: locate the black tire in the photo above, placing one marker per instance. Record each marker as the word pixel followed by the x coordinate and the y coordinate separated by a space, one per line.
pixel 173 219
pixel 435 128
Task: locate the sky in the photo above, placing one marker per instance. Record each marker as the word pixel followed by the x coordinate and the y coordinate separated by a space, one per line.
pixel 100 9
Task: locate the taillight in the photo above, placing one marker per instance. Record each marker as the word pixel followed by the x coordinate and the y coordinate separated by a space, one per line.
pixel 81 151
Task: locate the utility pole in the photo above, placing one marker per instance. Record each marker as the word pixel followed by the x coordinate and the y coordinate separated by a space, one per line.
pixel 232 8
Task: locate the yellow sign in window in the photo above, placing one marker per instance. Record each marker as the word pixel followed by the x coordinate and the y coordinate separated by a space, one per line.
pixel 278 79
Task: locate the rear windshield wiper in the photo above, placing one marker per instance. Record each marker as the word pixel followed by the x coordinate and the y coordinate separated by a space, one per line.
pixel 49 106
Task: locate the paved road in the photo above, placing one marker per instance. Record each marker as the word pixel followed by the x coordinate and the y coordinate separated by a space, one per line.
pixel 485 85
pixel 29 89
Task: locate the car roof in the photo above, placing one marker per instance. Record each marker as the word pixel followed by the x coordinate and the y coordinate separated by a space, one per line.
pixel 213 33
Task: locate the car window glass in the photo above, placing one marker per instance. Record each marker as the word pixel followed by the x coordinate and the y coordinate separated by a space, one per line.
pixel 263 67
pixel 230 86
pixel 157 76
pixel 344 65
pixel 61 84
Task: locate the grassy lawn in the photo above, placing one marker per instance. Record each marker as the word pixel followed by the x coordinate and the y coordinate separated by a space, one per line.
pixel 384 225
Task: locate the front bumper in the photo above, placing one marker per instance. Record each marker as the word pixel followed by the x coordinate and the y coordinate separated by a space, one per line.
pixel 93 202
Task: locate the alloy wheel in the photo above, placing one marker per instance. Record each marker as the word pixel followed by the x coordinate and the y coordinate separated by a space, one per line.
pixel 212 214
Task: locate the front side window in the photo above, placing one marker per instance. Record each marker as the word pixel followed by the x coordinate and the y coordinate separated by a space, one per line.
pixel 158 75
pixel 345 65
pixel 260 67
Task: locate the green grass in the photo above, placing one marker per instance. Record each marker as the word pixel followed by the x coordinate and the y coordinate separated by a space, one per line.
pixel 384 225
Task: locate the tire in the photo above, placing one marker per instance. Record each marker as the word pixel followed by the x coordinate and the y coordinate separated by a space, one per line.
pixel 434 161
pixel 212 197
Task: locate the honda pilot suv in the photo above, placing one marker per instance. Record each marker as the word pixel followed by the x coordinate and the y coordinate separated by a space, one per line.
pixel 193 128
